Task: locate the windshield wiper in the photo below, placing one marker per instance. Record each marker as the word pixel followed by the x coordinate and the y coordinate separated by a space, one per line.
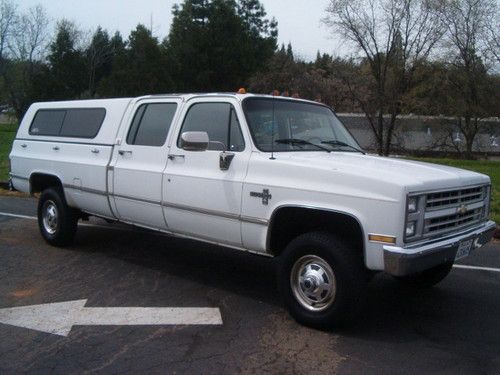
pixel 340 143
pixel 297 141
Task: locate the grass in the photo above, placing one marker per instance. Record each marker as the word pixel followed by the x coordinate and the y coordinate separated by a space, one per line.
pixel 490 168
pixel 7 135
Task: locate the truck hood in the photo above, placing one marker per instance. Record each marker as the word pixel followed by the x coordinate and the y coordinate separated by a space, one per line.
pixel 411 175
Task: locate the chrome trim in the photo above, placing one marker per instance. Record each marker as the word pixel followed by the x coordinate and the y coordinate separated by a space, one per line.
pixel 150 201
pixel 400 261
pixel 247 219
pixel 85 190
pixel 196 238
pixel 443 242
pixel 424 213
pixel 36 139
pixel 12 175
pixel 254 220
pixel 243 218
pixel 419 192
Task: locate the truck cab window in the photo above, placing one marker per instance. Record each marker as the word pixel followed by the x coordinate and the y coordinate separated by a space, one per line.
pixel 219 120
pixel 151 124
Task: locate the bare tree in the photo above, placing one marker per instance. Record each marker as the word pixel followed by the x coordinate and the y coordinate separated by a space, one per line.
pixel 8 19
pixel 393 37
pixel 470 44
pixel 27 45
pixel 494 38
pixel 98 53
pixel 31 35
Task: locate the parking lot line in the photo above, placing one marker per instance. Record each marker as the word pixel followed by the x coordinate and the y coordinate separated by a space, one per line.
pixel 18 216
pixel 464 266
pixel 82 224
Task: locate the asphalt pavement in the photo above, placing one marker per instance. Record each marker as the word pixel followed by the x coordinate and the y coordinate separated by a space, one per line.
pixel 450 329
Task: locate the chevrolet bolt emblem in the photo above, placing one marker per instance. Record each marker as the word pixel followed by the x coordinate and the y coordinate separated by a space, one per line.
pixel 462 210
pixel 264 195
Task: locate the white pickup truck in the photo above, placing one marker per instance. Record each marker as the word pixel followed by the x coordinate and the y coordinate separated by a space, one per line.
pixel 270 175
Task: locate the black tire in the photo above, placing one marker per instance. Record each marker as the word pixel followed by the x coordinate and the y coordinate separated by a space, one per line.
pixel 349 279
pixel 427 278
pixel 61 231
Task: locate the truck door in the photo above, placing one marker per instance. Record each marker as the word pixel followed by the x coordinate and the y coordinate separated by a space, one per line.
pixel 140 160
pixel 201 198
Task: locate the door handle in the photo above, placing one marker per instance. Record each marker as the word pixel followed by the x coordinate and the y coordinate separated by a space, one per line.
pixel 225 159
pixel 94 151
pixel 173 156
pixel 55 148
pixel 24 145
pixel 123 152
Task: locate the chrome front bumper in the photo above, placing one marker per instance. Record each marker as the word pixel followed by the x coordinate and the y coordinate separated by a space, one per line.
pixel 400 261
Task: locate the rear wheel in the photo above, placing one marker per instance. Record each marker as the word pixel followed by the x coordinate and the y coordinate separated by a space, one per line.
pixel 427 278
pixel 322 280
pixel 56 220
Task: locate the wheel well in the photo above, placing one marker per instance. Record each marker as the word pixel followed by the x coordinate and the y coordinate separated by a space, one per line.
pixel 41 181
pixel 290 222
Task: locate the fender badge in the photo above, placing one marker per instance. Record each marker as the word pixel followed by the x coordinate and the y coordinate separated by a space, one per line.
pixel 264 195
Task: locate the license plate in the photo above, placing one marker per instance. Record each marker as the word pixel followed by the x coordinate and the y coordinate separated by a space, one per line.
pixel 463 249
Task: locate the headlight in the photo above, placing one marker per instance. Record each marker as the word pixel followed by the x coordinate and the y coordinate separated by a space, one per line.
pixel 412 204
pixel 415 210
pixel 410 228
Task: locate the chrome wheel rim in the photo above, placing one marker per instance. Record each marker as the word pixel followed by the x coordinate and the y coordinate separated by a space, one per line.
pixel 313 283
pixel 50 217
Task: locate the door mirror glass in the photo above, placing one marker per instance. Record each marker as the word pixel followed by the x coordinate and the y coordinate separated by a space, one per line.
pixel 194 141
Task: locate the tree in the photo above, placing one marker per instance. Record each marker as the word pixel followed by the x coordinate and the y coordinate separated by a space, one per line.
pixel 99 56
pixel 67 64
pixel 28 47
pixel 8 18
pixel 469 41
pixel 393 37
pixel 218 44
pixel 139 66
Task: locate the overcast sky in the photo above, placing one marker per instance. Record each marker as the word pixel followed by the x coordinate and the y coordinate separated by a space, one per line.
pixel 298 20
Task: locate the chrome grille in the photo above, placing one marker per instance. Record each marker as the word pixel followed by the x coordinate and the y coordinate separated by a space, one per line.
pixel 452 222
pixel 452 198
pixel 460 208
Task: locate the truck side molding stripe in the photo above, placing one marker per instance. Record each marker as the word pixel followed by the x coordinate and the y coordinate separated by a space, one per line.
pixel 243 218
pixel 12 175
pixel 247 219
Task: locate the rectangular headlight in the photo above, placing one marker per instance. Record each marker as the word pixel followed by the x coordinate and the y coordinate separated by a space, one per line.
pixel 411 227
pixel 412 204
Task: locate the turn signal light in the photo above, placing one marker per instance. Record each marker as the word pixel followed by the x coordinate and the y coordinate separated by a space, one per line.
pixel 382 238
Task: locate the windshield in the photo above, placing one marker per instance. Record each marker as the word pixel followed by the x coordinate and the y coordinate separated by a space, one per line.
pixel 297 126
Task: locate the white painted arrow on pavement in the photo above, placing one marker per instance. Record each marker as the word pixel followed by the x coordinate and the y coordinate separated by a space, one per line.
pixel 58 318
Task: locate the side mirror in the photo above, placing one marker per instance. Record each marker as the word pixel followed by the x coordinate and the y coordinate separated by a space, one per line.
pixel 194 141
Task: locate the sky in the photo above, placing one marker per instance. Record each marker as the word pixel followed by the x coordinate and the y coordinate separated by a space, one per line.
pixel 299 21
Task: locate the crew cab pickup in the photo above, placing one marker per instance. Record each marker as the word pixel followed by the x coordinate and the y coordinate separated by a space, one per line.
pixel 274 176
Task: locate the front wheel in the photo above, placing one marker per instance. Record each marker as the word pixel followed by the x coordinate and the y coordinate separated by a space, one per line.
pixel 322 280
pixel 56 220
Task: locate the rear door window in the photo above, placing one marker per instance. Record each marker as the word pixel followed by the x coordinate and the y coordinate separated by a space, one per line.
pixel 151 124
